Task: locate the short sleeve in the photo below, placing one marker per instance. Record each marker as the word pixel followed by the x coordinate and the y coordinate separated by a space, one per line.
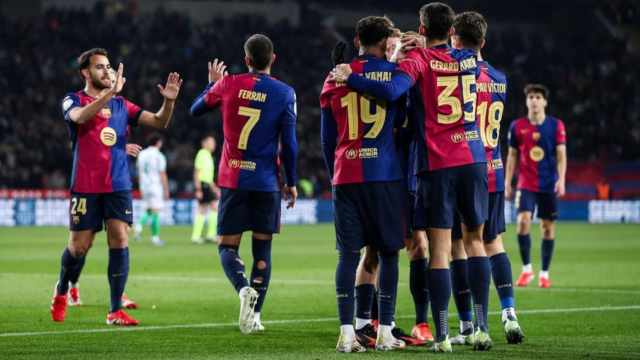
pixel 70 101
pixel 197 163
pixel 561 135
pixel 133 112
pixel 214 96
pixel 513 137
pixel 289 115
pixel 410 66
pixel 162 160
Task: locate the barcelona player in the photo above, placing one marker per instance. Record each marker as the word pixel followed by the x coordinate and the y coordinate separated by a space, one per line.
pixel 470 30
pixel 539 142
pixel 451 165
pixel 257 111
pixel 100 182
pixel 359 150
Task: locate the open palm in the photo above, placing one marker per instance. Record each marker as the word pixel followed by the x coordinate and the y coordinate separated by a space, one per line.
pixel 171 90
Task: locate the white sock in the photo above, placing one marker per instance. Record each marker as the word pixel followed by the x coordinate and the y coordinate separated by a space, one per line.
pixel 544 274
pixel 360 323
pixel 155 238
pixel 347 330
pixel 527 268
pixel 393 324
pixel 508 311
pixel 384 330
pixel 242 292
pixel 464 325
pixel 256 316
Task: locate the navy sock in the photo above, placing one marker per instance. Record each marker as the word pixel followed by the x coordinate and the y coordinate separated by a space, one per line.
pixel 547 253
pixel 503 279
pixel 479 283
pixel 418 287
pixel 68 268
pixel 261 250
pixel 374 306
pixel 345 285
pixel 118 272
pixel 364 300
pixel 76 275
pixel 525 248
pixel 460 288
pixel 233 266
pixel 388 286
pixel 439 282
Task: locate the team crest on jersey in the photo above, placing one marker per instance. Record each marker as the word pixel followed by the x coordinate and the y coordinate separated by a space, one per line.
pixel 536 154
pixel 108 136
pixel 536 136
pixel 76 220
pixel 351 154
pixel 106 112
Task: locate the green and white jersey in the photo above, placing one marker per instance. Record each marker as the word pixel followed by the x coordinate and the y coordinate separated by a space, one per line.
pixel 150 163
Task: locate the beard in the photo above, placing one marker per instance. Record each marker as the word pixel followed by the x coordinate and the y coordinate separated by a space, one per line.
pixel 98 84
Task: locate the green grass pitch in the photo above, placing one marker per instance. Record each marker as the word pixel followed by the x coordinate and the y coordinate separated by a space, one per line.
pixel 591 312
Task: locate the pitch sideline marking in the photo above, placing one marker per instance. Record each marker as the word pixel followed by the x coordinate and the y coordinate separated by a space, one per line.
pixel 164 327
pixel 315 282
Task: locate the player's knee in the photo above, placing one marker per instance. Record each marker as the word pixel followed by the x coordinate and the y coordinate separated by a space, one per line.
pixel 547 229
pixel 523 226
pixel 417 251
pixel 457 250
pixel 370 263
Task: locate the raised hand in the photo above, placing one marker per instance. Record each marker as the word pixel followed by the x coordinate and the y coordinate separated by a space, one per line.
pixel 412 41
pixel 337 55
pixel 171 90
pixel 217 71
pixel 340 74
pixel 116 87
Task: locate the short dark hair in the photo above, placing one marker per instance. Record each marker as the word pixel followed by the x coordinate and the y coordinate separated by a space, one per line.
pixel 154 138
pixel 395 33
pixel 437 18
pixel 204 138
pixel 373 29
pixel 536 88
pixel 471 27
pixel 84 60
pixel 259 50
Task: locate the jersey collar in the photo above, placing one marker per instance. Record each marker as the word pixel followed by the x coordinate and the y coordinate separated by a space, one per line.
pixel 442 46
pixel 365 56
pixel 543 120
pixel 259 74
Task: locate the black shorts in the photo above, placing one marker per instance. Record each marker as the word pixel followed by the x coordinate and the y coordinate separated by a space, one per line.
pixel 418 214
pixel 207 194
pixel 245 210
pixel 90 211
pixel 494 225
pixel 462 188
pixel 547 203
pixel 410 200
pixel 370 213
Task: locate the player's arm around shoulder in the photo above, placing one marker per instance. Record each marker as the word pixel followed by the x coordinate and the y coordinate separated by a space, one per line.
pixel 170 91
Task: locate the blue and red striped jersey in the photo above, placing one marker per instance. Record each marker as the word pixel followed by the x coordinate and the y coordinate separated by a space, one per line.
pixel 443 95
pixel 365 148
pixel 537 147
pixel 100 161
pixel 492 95
pixel 255 110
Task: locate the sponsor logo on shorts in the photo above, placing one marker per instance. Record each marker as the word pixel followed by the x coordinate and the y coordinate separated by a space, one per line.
pixel 242 164
pixel 127 212
pixel 364 153
pixel 536 154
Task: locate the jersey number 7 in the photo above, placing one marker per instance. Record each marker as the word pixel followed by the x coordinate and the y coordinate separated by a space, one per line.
pixel 351 103
pixel 254 116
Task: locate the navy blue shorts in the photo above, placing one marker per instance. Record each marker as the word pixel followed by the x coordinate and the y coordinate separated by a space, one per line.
pixel 494 225
pixel 90 211
pixel 462 188
pixel 410 200
pixel 418 214
pixel 370 213
pixel 547 203
pixel 245 210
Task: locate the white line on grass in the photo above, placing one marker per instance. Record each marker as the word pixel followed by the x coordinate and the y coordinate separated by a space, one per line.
pixel 311 282
pixel 164 327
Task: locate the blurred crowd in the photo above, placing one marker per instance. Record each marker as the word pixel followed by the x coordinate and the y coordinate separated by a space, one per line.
pixel 594 84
